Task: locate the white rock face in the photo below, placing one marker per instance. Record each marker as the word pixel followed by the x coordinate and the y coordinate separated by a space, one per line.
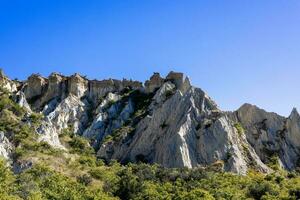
pixel 6 147
pixel 77 85
pixel 20 99
pixel 71 112
pixel 161 95
pixel 172 135
pixel 167 121
pixel 6 83
pixel 272 135
pixel 109 117
pixel 291 145
pixel 49 133
pixel 35 86
pixel 293 128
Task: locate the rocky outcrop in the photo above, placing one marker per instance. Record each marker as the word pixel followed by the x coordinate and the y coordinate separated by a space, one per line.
pixel 50 134
pixel 271 135
pixel 70 112
pixel 20 99
pixel 98 89
pixel 35 86
pixel 291 130
pixel 111 114
pixel 6 83
pixel 181 81
pixel 155 82
pixel 77 85
pixel 165 121
pixel 188 135
pixel 6 148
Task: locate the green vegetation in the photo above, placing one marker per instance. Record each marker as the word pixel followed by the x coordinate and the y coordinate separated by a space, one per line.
pixel 119 133
pixel 239 128
pixel 143 181
pixel 6 103
pixel 35 119
pixel 14 123
pixel 141 103
pixel 273 163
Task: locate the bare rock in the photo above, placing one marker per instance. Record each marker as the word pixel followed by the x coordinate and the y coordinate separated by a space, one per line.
pixel 155 82
pixel 6 148
pixel 77 85
pixel 181 81
pixel 6 83
pixel 35 86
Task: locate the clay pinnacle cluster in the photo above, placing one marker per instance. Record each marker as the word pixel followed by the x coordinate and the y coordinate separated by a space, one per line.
pixel 165 120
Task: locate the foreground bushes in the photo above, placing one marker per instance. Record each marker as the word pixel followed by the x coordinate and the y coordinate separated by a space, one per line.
pixel 142 181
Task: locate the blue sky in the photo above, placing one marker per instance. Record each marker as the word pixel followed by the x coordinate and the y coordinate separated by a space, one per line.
pixel 237 51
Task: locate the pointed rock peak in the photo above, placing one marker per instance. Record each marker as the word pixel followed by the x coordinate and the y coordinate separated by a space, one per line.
pixel 247 106
pixel 2 75
pixel 294 114
pixel 6 83
pixel 181 81
pixel 155 75
pixel 250 109
pixel 156 81
pixel 35 77
pixel 54 76
pixel 175 75
pixel 77 77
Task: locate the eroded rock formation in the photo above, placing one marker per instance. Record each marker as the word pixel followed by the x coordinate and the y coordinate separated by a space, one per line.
pixel 165 121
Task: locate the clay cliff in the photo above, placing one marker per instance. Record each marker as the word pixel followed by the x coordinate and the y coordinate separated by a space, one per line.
pixel 164 120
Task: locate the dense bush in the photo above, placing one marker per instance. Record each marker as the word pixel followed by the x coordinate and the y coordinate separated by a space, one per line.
pixel 258 190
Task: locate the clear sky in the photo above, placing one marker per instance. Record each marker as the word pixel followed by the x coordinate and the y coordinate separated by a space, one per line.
pixel 236 50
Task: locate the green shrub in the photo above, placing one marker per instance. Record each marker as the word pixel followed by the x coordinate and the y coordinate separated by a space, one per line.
pixel 7 103
pixel 67 132
pixel 36 118
pixel 118 134
pixel 6 179
pixel 258 190
pixel 273 162
pixel 80 145
pixel 295 193
pixel 89 161
pixel 85 179
pixel 96 173
pixel 107 138
pixel 239 128
pixel 195 194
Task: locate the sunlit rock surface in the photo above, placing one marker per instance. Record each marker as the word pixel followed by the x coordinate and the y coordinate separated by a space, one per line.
pixel 165 121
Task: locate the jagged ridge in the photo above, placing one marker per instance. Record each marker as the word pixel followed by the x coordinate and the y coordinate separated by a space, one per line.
pixel 165 121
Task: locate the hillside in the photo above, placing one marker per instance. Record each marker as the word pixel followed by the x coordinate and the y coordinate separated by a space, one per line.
pixel 73 138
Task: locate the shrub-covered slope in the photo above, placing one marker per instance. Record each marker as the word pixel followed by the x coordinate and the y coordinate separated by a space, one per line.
pixel 72 138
